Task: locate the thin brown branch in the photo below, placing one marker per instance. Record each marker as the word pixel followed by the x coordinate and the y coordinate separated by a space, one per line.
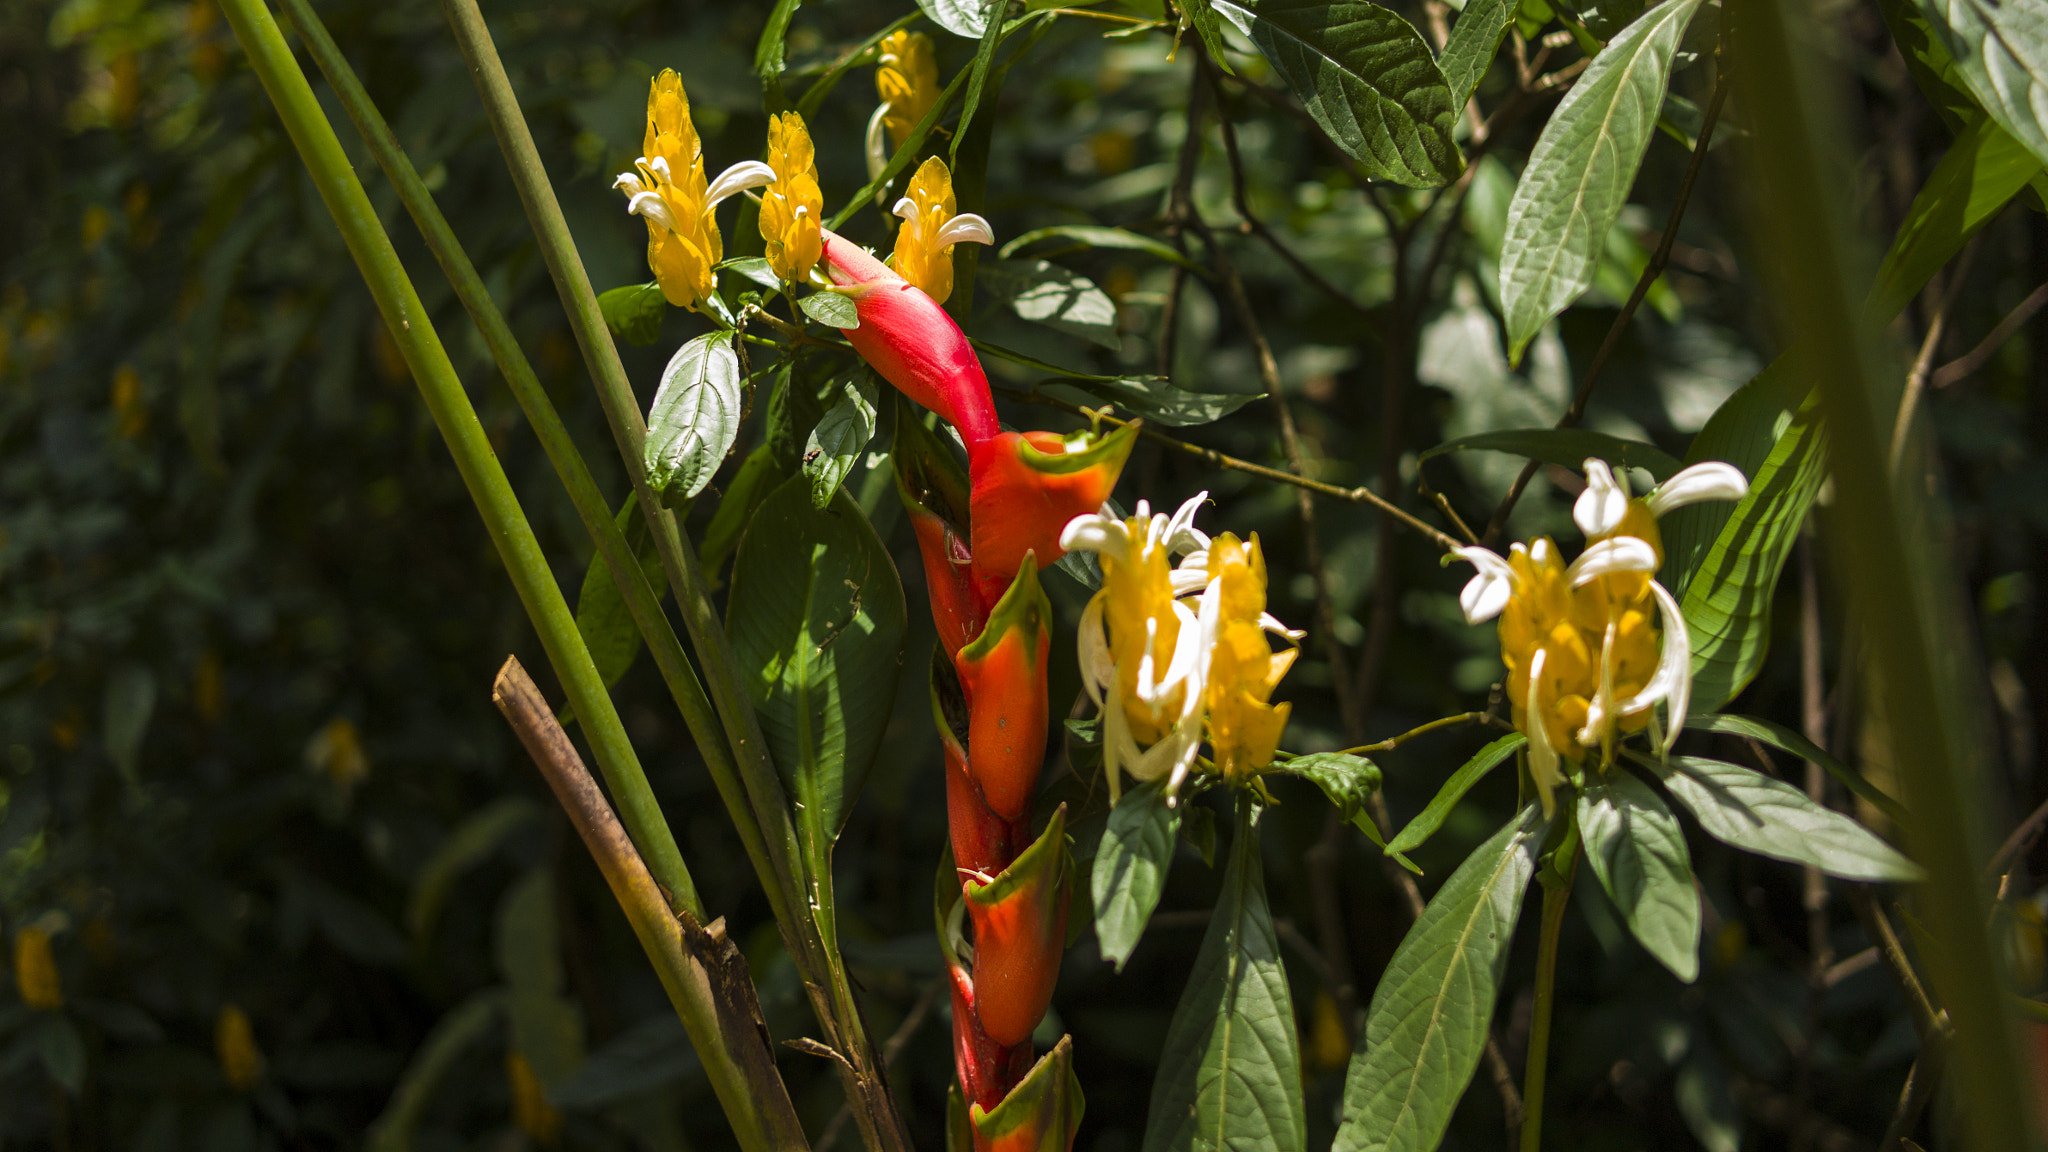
pixel 890 1050
pixel 1927 1019
pixel 1976 357
pixel 1914 1096
pixel 2021 839
pixel 1651 271
pixel 1916 380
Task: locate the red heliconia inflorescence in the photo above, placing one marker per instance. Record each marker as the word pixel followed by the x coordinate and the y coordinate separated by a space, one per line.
pixel 983 533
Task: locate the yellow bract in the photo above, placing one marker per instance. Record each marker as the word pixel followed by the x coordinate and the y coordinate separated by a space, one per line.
pixel 1244 728
pixel 920 258
pixel 907 82
pixel 791 205
pixel 35 970
pixel 531 1110
pixel 681 249
pixel 234 1042
pixel 1144 631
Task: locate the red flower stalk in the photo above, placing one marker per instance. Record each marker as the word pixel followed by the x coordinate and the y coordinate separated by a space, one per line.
pixel 1040 1115
pixel 1003 674
pixel 909 339
pixel 1027 486
pixel 933 488
pixel 983 842
pixel 1020 929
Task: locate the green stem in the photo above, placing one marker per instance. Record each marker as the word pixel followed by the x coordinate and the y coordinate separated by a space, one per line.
pixel 1393 742
pixel 824 971
pixel 1557 892
pixel 1902 592
pixel 441 388
pixel 591 506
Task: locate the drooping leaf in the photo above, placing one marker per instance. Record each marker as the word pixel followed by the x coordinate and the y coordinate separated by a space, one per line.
pixel 602 617
pixel 634 312
pixel 841 436
pixel 1431 818
pixel 547 1027
pixel 1727 597
pixel 1786 740
pixel 1098 236
pixel 1367 77
pixel 469 844
pixel 817 621
pixel 977 73
pixel 1564 447
pixel 695 415
pixel 437 1056
pixel 2000 48
pixel 1155 398
pixel 968 18
pixel 768 52
pixel 1230 1076
pixel 1980 172
pixel 832 309
pixel 1746 809
pixel 1130 868
pixel 1474 40
pixel 1933 69
pixel 129 702
pixel 1638 852
pixel 62 1050
pixel 1346 780
pixel 1580 172
pixel 1056 297
pixel 757 475
pixel 1429 1015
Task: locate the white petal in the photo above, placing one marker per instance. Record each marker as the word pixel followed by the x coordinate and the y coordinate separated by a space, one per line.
pixel 1098 534
pixel 1186 580
pixel 1181 535
pixel 1674 664
pixel 1196 561
pixel 658 166
pixel 741 176
pixel 964 228
pixel 1540 552
pixel 1712 480
pixel 1189 667
pixel 1098 668
pixel 878 144
pixel 1616 554
pixel 652 206
pixel 905 207
pixel 1271 623
pixel 1489 591
pixel 630 182
pixel 1149 692
pixel 1542 757
pixel 1604 502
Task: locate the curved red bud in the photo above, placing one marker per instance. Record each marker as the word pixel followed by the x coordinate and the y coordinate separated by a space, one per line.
pixel 1041 1114
pixel 1003 673
pixel 1020 929
pixel 986 1069
pixel 983 842
pixel 911 341
pixel 933 488
pixel 1027 486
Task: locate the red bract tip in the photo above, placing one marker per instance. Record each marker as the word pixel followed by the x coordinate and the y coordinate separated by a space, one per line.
pixel 1003 674
pixel 1026 487
pixel 1020 928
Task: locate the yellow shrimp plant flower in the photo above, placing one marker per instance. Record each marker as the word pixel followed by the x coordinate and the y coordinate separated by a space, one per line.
pixel 932 224
pixel 667 189
pixel 790 206
pixel 35 970
pixel 907 81
pixel 1592 647
pixel 1163 672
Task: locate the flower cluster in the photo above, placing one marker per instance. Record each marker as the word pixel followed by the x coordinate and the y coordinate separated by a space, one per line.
pixel 1165 675
pixel 1592 647
pixel 667 189
pixel 907 80
pixel 932 224
pixel 792 204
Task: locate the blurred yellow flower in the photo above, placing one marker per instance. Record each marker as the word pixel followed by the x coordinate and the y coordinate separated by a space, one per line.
pixel 790 207
pixel 907 80
pixel 336 752
pixel 931 226
pixel 667 190
pixel 234 1042
pixel 130 413
pixel 540 1120
pixel 35 970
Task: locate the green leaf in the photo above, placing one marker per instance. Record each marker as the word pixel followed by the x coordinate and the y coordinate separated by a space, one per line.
pixel 2000 49
pixel 1933 69
pixel 1367 77
pixel 469 844
pixel 1230 1076
pixel 750 485
pixel 817 620
pixel 1202 15
pixel 634 312
pixel 768 52
pixel 1045 293
pixel 1786 740
pixel 1130 868
pixel 968 18
pixel 129 702
pixel 1426 822
pixel 977 72
pixel 832 309
pixel 547 1027
pixel 1427 1024
pixel 1474 40
pixel 1579 175
pixel 1155 398
pixel 1566 448
pixel 1727 597
pixel 437 1056
pixel 1098 236
pixel 607 625
pixel 1746 809
pixel 695 415
pixel 1982 170
pixel 1345 779
pixel 1638 851
pixel 840 437
pixel 755 268
pixel 62 1051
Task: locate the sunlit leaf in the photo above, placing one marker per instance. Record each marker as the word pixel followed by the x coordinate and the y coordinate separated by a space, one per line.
pixel 832 309
pixel 1982 170
pixel 1786 740
pixel 1746 809
pixel 1098 236
pixel 839 439
pixel 1565 447
pixel 1130 868
pixel 968 18
pixel 1056 297
pixel 1431 818
pixel 1580 172
pixel 1474 40
pixel 1638 852
pixel 2001 53
pixel 1429 1015
pixel 634 312
pixel 695 415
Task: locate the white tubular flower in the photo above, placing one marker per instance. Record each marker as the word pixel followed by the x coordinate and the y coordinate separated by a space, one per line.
pixel 737 179
pixel 1490 588
pixel 1543 769
pixel 1712 480
pixel 1615 554
pixel 1601 506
